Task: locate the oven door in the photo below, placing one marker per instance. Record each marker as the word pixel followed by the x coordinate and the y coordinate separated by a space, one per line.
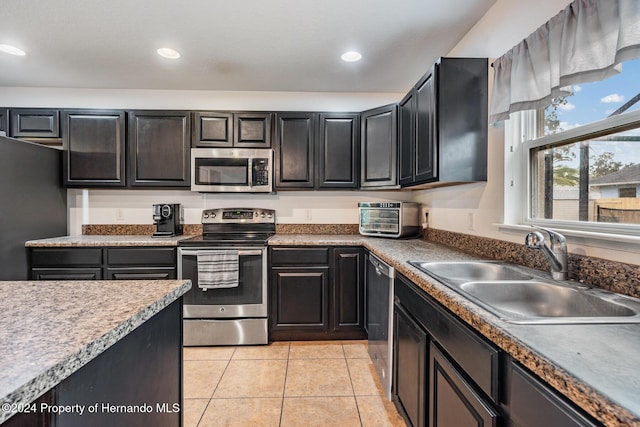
pixel 248 299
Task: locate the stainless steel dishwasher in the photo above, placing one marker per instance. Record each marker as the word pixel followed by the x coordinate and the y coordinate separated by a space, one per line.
pixel 379 292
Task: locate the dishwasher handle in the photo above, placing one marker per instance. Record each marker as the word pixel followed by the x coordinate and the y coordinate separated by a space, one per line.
pixel 381 267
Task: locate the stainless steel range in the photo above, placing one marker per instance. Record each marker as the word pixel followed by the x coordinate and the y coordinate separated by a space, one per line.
pixel 227 265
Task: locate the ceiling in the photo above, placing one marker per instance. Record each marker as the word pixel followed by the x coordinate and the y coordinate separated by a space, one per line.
pixel 250 45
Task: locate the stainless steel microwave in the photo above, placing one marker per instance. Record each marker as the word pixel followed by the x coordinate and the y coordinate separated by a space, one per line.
pixel 389 219
pixel 232 170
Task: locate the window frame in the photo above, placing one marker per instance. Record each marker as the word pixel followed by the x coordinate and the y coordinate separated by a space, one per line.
pixel 520 138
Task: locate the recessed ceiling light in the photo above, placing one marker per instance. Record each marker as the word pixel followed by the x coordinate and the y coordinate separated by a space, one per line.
pixel 351 56
pixel 12 50
pixel 167 52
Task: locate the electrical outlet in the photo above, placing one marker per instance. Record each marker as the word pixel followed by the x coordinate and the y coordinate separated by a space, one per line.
pixel 119 215
pixel 472 220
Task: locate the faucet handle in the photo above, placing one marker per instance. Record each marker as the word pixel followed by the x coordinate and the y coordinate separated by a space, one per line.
pixel 554 236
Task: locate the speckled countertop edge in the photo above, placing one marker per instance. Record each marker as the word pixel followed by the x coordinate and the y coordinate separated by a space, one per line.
pixel 24 391
pixel 398 252
pixel 105 240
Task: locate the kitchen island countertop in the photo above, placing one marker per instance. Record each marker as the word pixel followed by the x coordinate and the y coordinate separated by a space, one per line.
pixel 49 330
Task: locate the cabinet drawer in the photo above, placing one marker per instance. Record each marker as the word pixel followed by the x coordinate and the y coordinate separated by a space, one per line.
pixel 141 256
pixel 66 274
pixel 477 357
pixel 59 257
pixel 161 273
pixel 35 123
pixel 299 256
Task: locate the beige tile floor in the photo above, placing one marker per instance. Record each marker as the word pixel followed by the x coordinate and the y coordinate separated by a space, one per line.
pixel 288 384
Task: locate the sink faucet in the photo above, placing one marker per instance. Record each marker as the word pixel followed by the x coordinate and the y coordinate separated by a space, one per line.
pixel 556 252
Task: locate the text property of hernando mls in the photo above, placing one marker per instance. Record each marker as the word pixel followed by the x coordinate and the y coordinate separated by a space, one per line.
pixel 96 408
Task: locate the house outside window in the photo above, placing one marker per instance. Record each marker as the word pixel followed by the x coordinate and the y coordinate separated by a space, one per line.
pixel 584 168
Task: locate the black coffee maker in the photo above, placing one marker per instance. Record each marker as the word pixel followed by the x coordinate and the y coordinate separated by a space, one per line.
pixel 168 220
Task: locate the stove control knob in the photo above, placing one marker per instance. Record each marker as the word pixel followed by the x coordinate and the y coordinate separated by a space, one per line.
pixel 270 215
pixel 256 213
pixel 262 215
pixel 212 215
pixel 206 216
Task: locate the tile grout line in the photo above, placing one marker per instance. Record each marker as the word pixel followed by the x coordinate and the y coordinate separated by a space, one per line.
pixel 346 361
pixel 284 387
pixel 217 384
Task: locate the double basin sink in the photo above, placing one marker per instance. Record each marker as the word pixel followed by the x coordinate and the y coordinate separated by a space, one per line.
pixel 522 295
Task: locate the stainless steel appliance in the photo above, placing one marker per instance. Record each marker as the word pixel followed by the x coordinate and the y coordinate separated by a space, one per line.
pixel 389 219
pixel 231 170
pixel 34 202
pixel 379 294
pixel 235 315
pixel 168 219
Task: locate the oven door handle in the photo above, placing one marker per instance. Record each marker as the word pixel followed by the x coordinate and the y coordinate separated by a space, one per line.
pixel 240 253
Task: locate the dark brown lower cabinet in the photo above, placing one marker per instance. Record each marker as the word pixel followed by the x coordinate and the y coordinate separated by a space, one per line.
pixel 453 400
pixel 108 263
pixel 316 293
pixel 410 373
pixel 447 375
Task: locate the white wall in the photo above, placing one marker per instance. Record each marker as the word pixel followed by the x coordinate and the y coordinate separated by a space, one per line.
pixel 479 208
pixel 299 207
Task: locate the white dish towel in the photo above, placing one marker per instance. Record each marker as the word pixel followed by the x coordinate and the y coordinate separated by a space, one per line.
pixel 218 269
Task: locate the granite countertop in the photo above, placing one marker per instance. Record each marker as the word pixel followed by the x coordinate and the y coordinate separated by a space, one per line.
pixel 49 330
pixel 595 366
pixel 67 241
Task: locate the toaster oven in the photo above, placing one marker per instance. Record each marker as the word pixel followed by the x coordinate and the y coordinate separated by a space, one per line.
pixel 389 219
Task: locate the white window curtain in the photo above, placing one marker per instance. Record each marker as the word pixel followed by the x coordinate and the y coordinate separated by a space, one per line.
pixel 585 42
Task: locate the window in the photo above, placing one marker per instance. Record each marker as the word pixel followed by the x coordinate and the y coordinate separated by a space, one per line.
pixel 584 170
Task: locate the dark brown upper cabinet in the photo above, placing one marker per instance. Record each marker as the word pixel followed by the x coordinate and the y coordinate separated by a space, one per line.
pixel 443 125
pixel 212 129
pixel 379 165
pixel 317 151
pixel 252 130
pixel 295 151
pixel 159 148
pixel 94 148
pixel 338 151
pixel 34 123
pixel 223 129
pixel 4 119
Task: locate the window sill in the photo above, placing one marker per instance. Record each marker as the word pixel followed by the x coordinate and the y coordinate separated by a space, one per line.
pixel 617 242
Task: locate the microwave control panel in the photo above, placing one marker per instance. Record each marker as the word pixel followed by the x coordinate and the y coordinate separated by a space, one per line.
pixel 260 171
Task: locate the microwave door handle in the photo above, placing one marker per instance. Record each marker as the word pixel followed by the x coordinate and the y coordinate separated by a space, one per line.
pixel 250 172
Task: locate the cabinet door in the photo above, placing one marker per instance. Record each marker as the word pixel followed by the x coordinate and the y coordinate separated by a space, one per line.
pixel 252 130
pixel 379 150
pixel 94 148
pixel 407 138
pixel 35 123
pixel 4 120
pixel 426 144
pixel 295 134
pixel 212 129
pixel 338 151
pixel 299 302
pixel 159 149
pixel 532 403
pixel 348 291
pixel 453 402
pixel 410 362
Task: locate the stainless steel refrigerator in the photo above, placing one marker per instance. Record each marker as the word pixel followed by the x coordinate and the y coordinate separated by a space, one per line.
pixel 33 203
